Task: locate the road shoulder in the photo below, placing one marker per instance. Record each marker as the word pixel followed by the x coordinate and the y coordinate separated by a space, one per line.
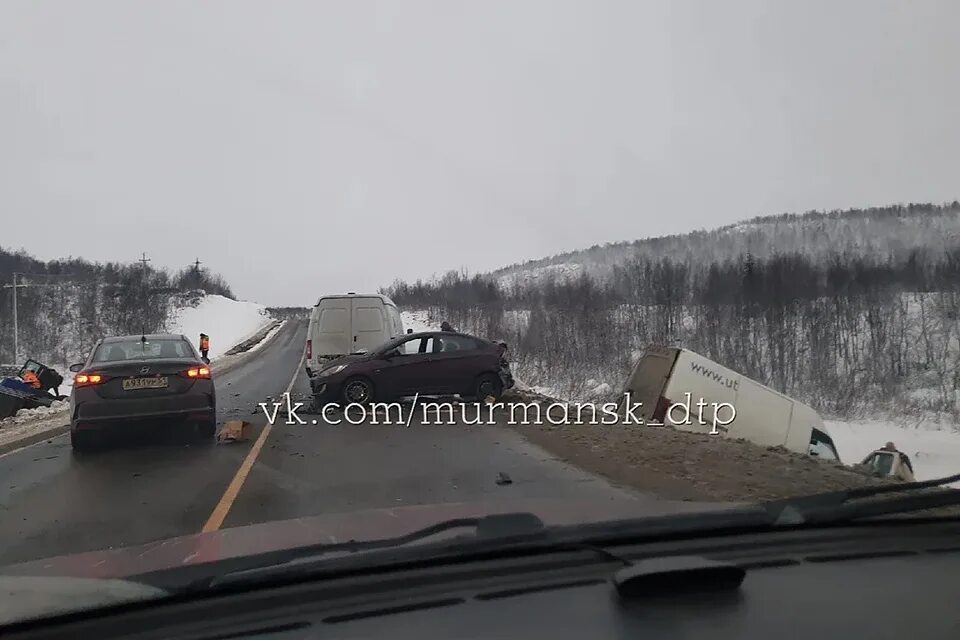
pixel 679 465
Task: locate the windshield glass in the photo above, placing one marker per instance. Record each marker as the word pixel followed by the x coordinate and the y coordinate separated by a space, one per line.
pixel 135 349
pixel 658 256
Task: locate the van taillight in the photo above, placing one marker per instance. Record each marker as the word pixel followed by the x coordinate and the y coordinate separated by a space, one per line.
pixel 661 411
pixel 309 349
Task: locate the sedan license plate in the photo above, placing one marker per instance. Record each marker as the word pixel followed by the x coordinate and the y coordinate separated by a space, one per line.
pixel 156 382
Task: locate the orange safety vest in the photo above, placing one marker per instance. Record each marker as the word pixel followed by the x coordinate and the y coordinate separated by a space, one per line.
pixel 31 378
pixel 204 344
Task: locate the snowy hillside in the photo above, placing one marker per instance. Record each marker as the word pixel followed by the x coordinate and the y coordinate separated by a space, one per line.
pixel 561 272
pixel 418 320
pixel 226 321
pixel 896 231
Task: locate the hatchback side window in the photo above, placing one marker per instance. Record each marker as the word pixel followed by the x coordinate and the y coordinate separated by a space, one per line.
pixel 457 344
pixel 413 346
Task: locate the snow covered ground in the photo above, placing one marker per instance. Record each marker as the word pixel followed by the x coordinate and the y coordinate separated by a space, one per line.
pixel 227 322
pixel 418 321
pixel 935 453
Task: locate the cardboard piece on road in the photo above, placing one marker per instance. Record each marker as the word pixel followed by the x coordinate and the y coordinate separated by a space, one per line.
pixel 234 431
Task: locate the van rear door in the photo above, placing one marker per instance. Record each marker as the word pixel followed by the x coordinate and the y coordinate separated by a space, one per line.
pixel 332 330
pixel 369 324
pixel 648 380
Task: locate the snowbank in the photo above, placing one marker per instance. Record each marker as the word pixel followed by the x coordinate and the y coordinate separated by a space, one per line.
pixel 266 338
pixel 227 322
pixel 39 413
pixel 934 453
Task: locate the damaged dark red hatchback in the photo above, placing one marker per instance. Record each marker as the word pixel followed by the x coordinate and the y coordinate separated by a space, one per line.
pixel 428 363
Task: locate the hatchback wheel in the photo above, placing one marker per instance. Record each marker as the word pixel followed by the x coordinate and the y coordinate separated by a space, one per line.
pixel 489 384
pixel 357 390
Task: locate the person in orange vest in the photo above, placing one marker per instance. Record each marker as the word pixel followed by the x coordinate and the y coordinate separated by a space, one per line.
pixel 204 345
pixel 31 379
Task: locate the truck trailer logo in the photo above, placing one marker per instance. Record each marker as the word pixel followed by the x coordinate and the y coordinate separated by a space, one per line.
pixel 719 378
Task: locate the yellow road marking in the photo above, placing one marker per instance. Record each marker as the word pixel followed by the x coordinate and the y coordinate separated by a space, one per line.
pixel 215 521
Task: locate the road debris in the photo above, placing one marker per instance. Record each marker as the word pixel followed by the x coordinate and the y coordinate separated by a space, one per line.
pixel 503 478
pixel 234 431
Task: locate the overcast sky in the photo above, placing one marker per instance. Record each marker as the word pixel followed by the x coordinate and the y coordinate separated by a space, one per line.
pixel 310 147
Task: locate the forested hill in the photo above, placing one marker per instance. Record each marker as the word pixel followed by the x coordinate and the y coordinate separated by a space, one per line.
pixel 68 304
pixel 893 231
pixel 848 311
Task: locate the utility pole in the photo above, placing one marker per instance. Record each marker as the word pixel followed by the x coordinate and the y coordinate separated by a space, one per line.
pixel 16 345
pixel 19 285
pixel 145 296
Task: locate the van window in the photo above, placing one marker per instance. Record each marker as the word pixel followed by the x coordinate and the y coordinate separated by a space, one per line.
pixel 334 321
pixel 368 319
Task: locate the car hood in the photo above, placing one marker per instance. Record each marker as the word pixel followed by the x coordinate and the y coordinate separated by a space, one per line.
pixel 205 547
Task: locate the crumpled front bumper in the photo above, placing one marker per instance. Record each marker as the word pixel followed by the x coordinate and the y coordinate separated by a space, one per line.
pixel 506 376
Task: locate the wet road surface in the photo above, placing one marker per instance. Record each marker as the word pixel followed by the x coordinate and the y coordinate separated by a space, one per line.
pixel 53 502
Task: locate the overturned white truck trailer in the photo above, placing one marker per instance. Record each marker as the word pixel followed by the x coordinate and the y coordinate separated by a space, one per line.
pixel 683 389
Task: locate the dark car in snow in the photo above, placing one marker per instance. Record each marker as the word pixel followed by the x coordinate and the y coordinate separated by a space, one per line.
pixel 427 363
pixel 157 381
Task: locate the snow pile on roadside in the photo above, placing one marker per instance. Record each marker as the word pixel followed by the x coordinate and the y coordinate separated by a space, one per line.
pixel 39 413
pixel 935 453
pixel 266 338
pixel 227 322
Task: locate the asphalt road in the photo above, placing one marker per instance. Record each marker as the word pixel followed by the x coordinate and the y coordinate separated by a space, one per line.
pixel 53 502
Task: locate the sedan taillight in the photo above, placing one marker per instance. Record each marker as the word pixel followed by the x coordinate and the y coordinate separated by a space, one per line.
pixel 196 373
pixel 88 379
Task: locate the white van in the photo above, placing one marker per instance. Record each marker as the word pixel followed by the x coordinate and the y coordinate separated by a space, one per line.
pixel 349 323
pixel 665 375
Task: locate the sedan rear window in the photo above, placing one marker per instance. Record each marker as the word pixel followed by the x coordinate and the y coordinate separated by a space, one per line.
pixel 137 350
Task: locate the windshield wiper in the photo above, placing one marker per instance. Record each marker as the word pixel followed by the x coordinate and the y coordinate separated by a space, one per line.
pixel 498 533
pixel 851 504
pixel 497 526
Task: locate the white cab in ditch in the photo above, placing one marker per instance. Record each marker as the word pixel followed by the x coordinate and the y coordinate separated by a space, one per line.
pixel 705 397
pixel 349 323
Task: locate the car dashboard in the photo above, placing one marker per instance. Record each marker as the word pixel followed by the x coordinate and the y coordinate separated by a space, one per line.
pixel 891 580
